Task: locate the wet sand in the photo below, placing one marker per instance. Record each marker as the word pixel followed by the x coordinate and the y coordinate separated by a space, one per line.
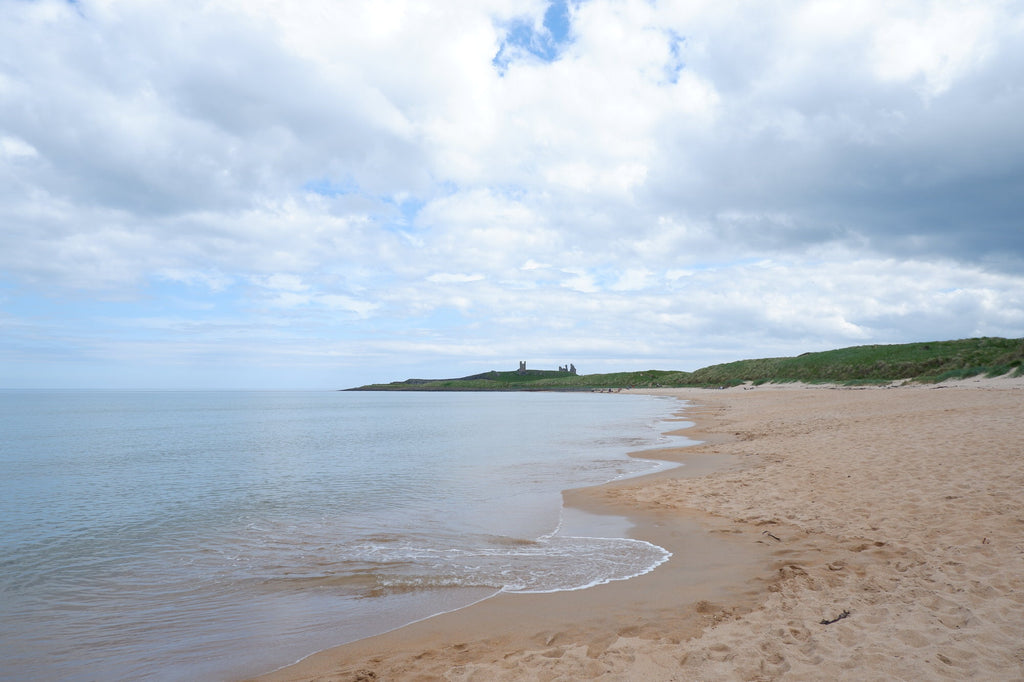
pixel 902 508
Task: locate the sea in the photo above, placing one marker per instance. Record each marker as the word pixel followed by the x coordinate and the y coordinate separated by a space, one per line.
pixel 175 535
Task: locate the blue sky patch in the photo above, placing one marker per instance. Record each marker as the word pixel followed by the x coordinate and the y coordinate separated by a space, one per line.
pixel 545 43
pixel 556 21
pixel 331 188
pixel 675 63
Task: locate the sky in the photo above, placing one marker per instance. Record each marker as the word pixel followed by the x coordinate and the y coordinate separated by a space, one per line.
pixel 266 194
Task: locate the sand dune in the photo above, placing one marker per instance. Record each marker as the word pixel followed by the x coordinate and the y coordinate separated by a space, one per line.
pixel 894 515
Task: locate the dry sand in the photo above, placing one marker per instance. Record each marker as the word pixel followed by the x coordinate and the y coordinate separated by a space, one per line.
pixel 901 507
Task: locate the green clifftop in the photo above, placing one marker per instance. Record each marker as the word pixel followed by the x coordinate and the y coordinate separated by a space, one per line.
pixel 925 362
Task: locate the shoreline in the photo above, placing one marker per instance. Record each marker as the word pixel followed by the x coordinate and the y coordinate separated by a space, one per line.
pixel 901 508
pixel 706 563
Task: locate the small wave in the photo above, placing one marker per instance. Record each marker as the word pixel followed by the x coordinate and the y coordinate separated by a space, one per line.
pixel 501 540
pixel 384 538
pixel 551 564
pixel 353 581
pixel 625 559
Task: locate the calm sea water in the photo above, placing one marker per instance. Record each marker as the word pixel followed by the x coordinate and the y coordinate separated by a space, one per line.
pixel 212 535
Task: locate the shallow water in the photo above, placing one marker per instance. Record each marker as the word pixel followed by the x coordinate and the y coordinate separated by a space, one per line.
pixel 212 535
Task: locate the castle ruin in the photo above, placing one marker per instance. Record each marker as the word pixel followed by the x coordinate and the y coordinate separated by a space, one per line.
pixel 570 368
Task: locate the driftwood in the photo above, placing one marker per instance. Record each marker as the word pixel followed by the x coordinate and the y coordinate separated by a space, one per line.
pixel 838 618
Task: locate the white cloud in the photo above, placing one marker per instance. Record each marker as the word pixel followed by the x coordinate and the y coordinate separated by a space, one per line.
pixel 15 148
pixel 361 308
pixel 633 279
pixel 283 282
pixel 581 281
pixel 453 278
pixel 938 45
pixel 214 281
pixel 681 180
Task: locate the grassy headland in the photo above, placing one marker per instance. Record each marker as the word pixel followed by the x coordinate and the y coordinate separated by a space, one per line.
pixel 931 361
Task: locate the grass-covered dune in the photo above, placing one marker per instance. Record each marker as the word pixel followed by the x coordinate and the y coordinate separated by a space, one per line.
pixel 931 361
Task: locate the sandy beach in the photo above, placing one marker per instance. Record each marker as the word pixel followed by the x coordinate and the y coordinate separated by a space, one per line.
pixel 817 532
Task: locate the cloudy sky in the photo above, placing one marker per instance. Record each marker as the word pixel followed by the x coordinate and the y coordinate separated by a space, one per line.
pixel 320 194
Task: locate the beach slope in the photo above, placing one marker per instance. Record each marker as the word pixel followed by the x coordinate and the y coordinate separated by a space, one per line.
pixel 868 534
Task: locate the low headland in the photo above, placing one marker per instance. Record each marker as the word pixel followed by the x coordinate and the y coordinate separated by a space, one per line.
pixel 926 362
